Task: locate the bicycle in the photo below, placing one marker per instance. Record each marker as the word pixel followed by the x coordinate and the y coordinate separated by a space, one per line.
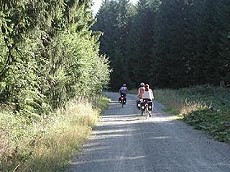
pixel 146 107
pixel 122 100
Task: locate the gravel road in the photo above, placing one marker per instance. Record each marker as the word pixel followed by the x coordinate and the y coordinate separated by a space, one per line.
pixel 125 141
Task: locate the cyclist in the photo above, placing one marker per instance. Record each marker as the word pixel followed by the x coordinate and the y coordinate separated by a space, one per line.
pixel 141 90
pixel 148 97
pixel 140 93
pixel 123 90
pixel 148 93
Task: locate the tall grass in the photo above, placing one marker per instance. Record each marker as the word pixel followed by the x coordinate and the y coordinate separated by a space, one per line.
pixel 205 107
pixel 178 104
pixel 46 144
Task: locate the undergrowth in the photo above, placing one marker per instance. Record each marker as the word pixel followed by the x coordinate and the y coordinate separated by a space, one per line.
pixel 204 107
pixel 45 144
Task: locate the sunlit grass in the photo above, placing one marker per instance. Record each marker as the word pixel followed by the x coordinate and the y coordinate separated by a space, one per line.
pixel 178 104
pixel 204 107
pixel 47 144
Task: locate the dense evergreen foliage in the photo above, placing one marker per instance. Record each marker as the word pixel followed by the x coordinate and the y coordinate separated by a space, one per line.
pixel 49 55
pixel 168 43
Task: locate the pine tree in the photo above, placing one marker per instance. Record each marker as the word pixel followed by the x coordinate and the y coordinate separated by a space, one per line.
pixel 142 41
pixel 112 21
pixel 170 64
pixel 49 54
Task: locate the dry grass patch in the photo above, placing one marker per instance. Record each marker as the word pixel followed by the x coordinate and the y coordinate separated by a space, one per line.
pixel 46 144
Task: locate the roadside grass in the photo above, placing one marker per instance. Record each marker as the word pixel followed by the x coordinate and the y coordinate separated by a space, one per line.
pixel 204 107
pixel 49 143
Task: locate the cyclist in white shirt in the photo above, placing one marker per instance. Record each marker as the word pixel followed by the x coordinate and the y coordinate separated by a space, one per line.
pixel 148 93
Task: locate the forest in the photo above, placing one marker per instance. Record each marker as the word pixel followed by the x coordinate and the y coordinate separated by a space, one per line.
pixel 54 51
pixel 49 55
pixel 166 43
pixel 57 58
pixel 51 71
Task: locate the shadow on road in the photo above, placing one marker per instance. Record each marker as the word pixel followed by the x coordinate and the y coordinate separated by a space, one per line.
pixel 126 141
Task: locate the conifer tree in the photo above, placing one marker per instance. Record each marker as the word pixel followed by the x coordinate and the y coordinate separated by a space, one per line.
pixel 49 54
pixel 112 21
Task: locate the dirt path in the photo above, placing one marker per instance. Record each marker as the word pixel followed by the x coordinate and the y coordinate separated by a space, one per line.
pixel 124 141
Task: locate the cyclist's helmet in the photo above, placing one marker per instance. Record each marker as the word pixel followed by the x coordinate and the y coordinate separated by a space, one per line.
pixel 142 84
pixel 124 85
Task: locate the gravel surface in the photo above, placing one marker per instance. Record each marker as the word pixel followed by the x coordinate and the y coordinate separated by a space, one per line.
pixel 125 141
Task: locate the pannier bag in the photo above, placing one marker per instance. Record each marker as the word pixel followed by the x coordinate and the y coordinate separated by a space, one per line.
pixel 138 104
pixel 123 98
